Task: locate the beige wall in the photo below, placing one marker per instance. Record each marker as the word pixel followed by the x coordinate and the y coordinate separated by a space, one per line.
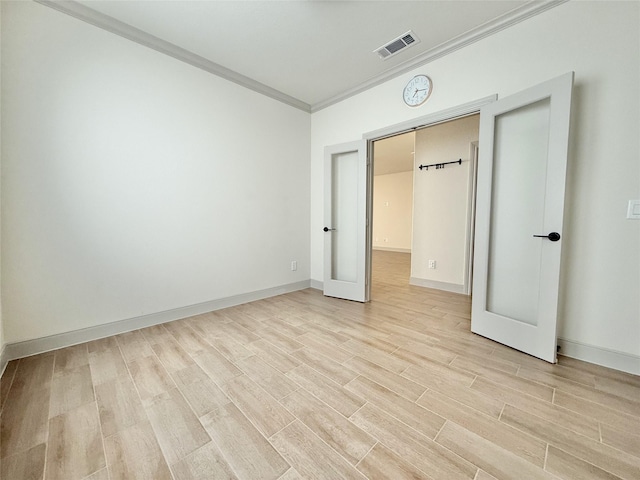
pixel 392 211
pixel 441 201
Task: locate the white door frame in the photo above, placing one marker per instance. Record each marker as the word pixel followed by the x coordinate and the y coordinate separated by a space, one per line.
pixel 470 108
pixel 474 149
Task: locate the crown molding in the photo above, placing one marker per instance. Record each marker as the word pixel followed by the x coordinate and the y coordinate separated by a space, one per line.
pixel 506 20
pixel 110 24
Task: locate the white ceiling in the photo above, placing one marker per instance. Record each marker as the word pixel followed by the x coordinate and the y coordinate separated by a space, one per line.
pixel 308 53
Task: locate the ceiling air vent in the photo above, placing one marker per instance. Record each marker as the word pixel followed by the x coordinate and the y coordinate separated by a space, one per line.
pixel 397 44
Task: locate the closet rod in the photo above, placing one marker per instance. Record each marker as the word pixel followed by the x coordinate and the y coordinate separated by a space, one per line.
pixel 439 165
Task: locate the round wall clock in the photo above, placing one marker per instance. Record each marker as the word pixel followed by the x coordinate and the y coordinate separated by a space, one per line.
pixel 417 90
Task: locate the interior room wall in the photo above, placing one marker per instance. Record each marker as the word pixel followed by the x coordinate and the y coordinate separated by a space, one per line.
pixel 134 184
pixel 600 41
pixel 1 322
pixel 392 211
pixel 442 200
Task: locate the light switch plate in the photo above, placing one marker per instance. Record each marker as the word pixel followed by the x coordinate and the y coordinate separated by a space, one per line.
pixel 634 209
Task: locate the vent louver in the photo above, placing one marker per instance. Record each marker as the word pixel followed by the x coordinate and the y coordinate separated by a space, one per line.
pixel 397 44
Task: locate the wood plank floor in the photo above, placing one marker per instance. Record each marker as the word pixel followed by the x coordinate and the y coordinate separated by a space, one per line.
pixel 303 386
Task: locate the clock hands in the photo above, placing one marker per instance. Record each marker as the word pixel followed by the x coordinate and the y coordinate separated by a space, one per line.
pixel 419 90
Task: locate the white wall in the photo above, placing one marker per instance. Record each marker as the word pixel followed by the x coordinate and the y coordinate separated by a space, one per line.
pixel 1 322
pixel 133 183
pixel 600 42
pixel 392 211
pixel 441 196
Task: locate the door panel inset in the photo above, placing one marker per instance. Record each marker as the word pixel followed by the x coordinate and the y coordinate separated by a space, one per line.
pixel 344 216
pixel 517 208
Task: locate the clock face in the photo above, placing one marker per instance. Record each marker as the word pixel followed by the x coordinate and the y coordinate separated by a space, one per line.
pixel 417 90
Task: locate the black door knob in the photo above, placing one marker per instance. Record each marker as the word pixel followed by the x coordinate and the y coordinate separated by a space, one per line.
pixel 327 229
pixel 553 236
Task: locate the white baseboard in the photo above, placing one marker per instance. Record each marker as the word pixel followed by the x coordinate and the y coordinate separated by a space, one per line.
pixel 4 359
pixel 27 348
pixel 391 249
pixel 447 287
pixel 589 353
pixel 625 362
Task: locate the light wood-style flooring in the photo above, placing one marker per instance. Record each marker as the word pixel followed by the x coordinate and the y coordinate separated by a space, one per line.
pixel 303 386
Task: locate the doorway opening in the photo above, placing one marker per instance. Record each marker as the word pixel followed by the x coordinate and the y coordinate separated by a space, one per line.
pixel 393 172
pixel 348 202
pixel 422 218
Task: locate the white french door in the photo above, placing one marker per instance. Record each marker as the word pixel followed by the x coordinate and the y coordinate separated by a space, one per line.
pixel 345 204
pixel 519 214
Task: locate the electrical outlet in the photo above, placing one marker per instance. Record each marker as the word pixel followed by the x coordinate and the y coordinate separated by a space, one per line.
pixel 294 266
pixel 432 264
